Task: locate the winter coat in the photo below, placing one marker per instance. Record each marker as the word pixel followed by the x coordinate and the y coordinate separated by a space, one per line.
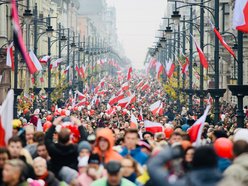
pixel 110 154
pixel 103 182
pixel 239 169
pixel 199 177
pixel 136 154
pixel 50 179
pixel 62 155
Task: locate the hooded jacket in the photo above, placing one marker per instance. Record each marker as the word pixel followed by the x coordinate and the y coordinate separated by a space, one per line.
pixel 239 169
pixel 110 154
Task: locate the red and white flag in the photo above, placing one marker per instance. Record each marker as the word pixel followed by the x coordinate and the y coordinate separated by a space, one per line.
pixel 169 68
pixel 141 115
pixel 10 57
pixel 125 86
pixel 133 122
pixel 80 95
pixel 6 117
pixel 160 110
pixel 66 69
pixel 18 39
pixel 44 59
pixel 153 127
pixel 222 41
pixel 113 100
pixel 132 98
pixel 35 61
pixel 185 66
pixel 123 103
pixel 145 86
pixel 201 55
pixel 140 84
pixel 154 107
pixel 196 129
pixel 240 15
pixel 159 69
pixel 130 70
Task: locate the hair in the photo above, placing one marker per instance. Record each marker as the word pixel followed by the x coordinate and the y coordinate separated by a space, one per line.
pixel 39 137
pixel 240 147
pixel 20 165
pixel 64 136
pixel 41 144
pixel 4 150
pixel 135 164
pixel 151 134
pixel 40 159
pixel 14 139
pixel 205 157
pixel 131 131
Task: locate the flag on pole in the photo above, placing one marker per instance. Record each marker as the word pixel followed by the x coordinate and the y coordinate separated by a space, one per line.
pixel 222 41
pixel 141 115
pixel 169 68
pixel 201 55
pixel 153 127
pixel 124 102
pixel 130 70
pixel 125 86
pixel 154 107
pixel 113 100
pixel 140 84
pixel 35 61
pixel 66 69
pixel 159 69
pixel 185 66
pixel 196 129
pixel 134 122
pixel 45 59
pixel 18 39
pixel 240 15
pixel 10 58
pixel 145 86
pixel 6 117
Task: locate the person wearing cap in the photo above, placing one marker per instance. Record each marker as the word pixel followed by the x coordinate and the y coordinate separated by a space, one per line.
pixel 104 146
pixel 238 171
pixel 94 171
pixel 114 177
pixel 84 149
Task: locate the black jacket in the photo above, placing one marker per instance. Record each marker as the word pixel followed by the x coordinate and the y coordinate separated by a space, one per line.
pixel 62 155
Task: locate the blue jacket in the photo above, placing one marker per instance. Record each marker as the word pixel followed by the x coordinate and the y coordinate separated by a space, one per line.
pixel 136 154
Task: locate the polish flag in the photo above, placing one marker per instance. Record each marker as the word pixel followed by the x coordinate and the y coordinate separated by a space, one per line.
pixel 80 95
pixel 160 110
pixel 145 86
pixel 170 67
pixel 18 39
pixel 202 57
pixel 153 127
pixel 10 58
pixel 185 66
pixel 56 63
pixel 82 102
pixel 82 71
pixel 155 107
pixel 35 61
pixel 141 115
pixel 129 93
pixel 66 69
pixel 6 117
pixel 159 69
pixel 152 63
pixel 120 96
pixel 123 102
pixel 240 15
pixel 222 41
pixel 196 129
pixel 125 86
pixel 110 110
pixel 113 100
pixel 140 84
pixel 130 70
pixel 132 99
pixel 133 122
pixel 44 59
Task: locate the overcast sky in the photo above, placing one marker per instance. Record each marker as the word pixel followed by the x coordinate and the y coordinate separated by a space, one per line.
pixel 137 22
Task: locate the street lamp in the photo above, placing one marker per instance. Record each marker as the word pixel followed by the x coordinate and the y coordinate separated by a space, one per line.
pixel 176 17
pixel 73 46
pixel 27 16
pixel 49 31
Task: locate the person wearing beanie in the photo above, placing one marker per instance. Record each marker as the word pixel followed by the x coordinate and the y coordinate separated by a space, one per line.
pixel 204 171
pixel 84 149
pixel 93 172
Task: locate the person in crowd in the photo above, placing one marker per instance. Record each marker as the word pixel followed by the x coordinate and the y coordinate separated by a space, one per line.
pixel 204 171
pixel 63 153
pixel 4 156
pixel 14 173
pixel 131 147
pixel 104 146
pixel 188 158
pixel 130 169
pixel 93 172
pixel 148 136
pixel 42 151
pixel 84 149
pixel 176 137
pixel 114 177
pixel 41 172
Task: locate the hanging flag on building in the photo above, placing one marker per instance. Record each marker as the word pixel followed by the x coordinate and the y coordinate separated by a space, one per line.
pixel 10 57
pixel 169 68
pixel 240 15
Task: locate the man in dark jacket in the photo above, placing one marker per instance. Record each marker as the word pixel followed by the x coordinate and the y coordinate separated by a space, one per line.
pixel 63 153
pixel 204 173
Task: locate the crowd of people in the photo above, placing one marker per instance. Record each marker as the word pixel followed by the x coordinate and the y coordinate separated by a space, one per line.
pixel 91 140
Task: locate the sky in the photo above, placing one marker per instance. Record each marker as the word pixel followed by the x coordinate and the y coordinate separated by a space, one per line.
pixel 137 22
